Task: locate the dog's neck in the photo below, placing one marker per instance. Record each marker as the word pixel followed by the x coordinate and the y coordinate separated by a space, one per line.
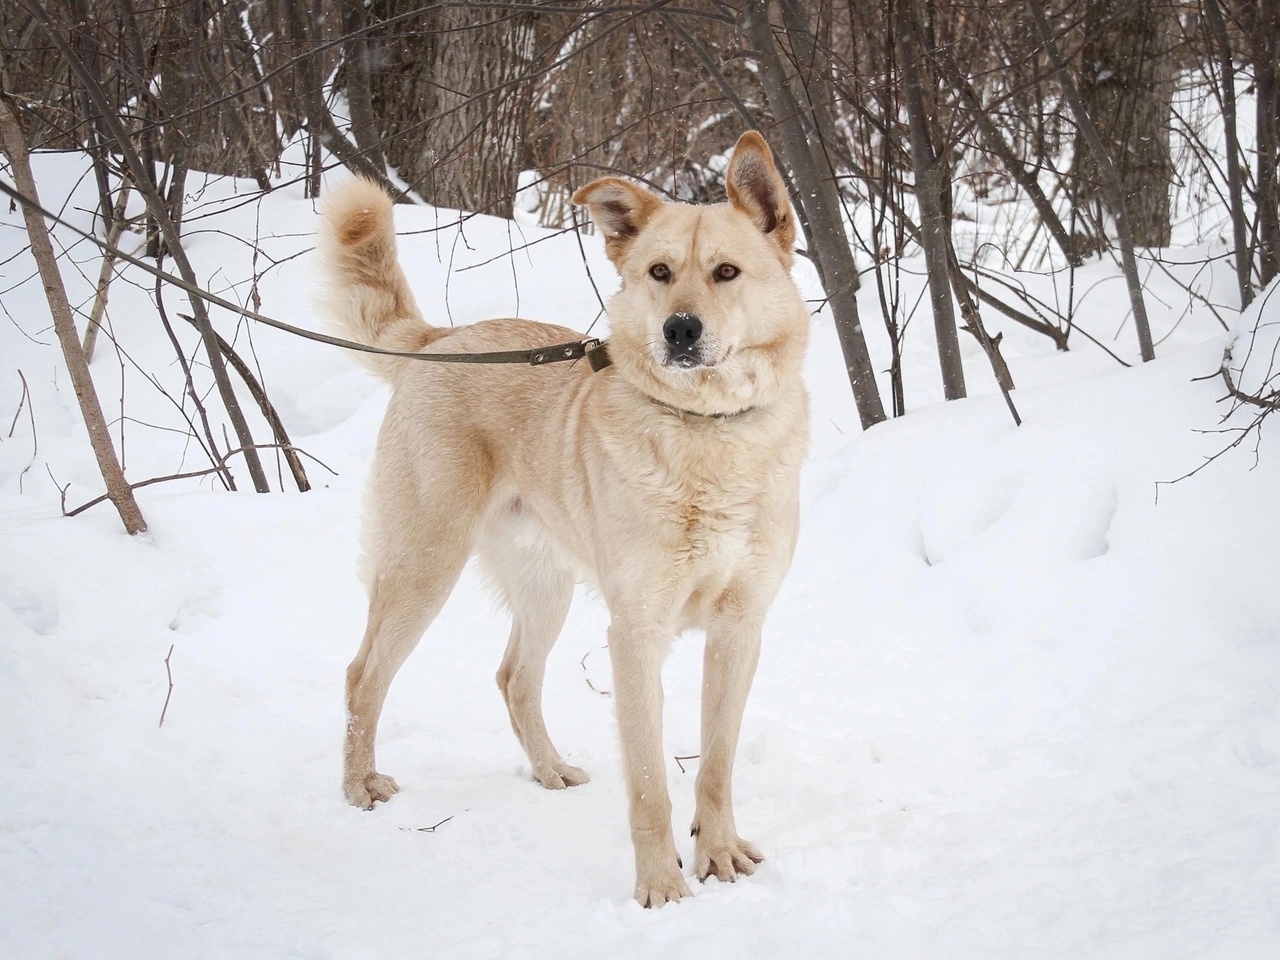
pixel 690 414
pixel 598 356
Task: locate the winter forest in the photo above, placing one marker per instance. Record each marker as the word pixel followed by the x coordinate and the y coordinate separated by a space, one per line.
pixel 1018 695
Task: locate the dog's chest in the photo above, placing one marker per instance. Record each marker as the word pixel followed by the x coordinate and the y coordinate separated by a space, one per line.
pixel 698 498
pixel 712 528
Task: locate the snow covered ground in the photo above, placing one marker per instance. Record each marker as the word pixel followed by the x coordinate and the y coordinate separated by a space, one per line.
pixel 1016 700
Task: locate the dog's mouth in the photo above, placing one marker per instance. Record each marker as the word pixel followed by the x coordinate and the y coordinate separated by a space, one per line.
pixel 692 358
pixel 685 361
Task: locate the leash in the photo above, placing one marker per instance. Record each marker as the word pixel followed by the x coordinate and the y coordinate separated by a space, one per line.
pixel 595 350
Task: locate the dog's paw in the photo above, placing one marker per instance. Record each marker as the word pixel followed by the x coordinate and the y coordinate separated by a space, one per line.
pixel 374 786
pixel 556 775
pixel 725 860
pixel 659 887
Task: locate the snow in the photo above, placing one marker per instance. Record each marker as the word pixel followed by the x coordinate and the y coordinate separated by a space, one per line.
pixel 1017 699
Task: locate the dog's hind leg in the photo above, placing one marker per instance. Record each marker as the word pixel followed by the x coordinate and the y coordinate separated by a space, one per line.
pixel 538 589
pixel 416 561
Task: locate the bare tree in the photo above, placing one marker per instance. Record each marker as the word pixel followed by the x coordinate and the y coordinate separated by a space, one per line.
pixel 118 491
pixel 800 144
pixel 1109 175
pixel 885 118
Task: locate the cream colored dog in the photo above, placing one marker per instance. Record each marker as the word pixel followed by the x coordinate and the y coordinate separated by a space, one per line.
pixel 669 478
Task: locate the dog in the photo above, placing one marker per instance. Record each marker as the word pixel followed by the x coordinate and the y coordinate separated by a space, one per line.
pixel 669 479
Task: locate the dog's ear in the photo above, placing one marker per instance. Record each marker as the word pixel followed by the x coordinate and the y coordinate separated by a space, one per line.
pixel 755 188
pixel 620 209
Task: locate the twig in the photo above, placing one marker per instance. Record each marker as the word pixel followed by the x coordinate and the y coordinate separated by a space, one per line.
pixel 1267 405
pixel 583 664
pixel 184 476
pixel 692 756
pixel 432 828
pixel 265 406
pixel 31 412
pixel 211 448
pixel 22 402
pixel 168 673
pixel 62 490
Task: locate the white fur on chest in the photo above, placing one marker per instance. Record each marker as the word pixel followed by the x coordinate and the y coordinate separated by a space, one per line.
pixel 712 532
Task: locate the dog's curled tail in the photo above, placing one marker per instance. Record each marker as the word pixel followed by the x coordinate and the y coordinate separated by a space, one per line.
pixel 366 297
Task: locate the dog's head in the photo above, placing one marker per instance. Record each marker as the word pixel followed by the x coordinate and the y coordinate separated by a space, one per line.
pixel 708 318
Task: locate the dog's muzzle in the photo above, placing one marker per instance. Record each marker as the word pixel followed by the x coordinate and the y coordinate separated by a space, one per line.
pixel 683 334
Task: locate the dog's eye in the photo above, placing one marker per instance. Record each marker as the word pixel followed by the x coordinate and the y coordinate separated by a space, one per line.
pixel 726 271
pixel 660 272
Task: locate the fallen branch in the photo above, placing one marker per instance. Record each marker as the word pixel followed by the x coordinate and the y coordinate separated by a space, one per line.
pixel 432 828
pixel 1268 403
pixel 973 326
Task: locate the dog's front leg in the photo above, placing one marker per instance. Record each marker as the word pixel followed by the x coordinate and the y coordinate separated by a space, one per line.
pixel 729 665
pixel 636 654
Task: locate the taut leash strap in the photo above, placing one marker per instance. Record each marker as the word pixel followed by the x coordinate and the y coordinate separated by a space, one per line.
pixel 594 349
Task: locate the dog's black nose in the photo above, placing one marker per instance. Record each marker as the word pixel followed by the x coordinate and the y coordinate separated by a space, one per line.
pixel 682 331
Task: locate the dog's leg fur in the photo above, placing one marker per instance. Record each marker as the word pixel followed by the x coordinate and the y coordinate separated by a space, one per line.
pixel 538 591
pixel 415 560
pixel 729 664
pixel 637 647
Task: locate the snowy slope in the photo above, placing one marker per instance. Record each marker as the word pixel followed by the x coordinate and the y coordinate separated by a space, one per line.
pixel 1011 704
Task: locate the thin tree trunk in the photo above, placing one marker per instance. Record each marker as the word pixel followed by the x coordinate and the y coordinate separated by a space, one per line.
pixel 935 227
pixel 320 125
pixel 1266 15
pixel 1235 182
pixel 93 138
pixel 1110 179
pixel 105 273
pixel 355 52
pixel 721 81
pixel 15 146
pixel 820 204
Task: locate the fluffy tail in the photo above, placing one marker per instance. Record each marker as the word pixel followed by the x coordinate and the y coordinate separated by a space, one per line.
pixel 367 298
